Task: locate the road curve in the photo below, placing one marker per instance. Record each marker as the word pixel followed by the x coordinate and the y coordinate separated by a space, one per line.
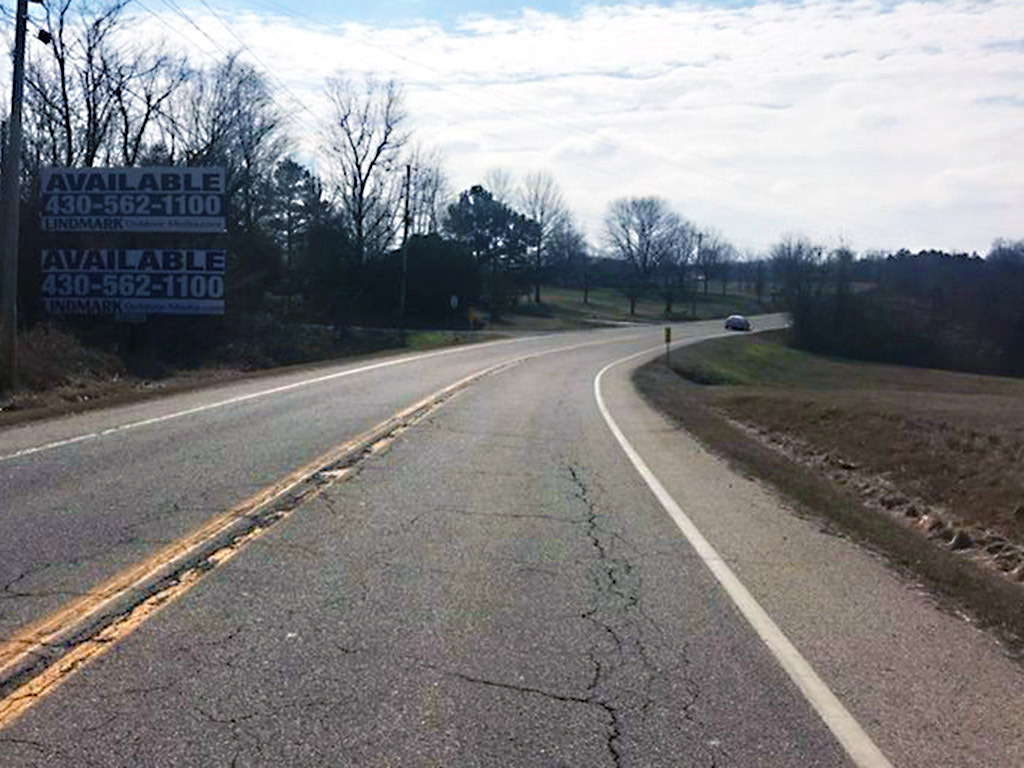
pixel 499 586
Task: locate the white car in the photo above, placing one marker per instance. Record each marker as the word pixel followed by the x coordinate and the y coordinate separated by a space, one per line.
pixel 737 323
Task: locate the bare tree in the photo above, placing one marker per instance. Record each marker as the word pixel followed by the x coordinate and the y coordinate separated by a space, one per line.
pixel 258 145
pixel 226 116
pixel 794 262
pixel 365 139
pixel 674 265
pixel 70 90
pixel 727 258
pixel 642 232
pixel 142 84
pixel 202 122
pixel 569 255
pixel 430 191
pixel 501 184
pixel 710 252
pixel 542 201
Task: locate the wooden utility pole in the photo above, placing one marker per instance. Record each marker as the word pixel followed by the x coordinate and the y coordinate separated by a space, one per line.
pixel 11 203
pixel 405 252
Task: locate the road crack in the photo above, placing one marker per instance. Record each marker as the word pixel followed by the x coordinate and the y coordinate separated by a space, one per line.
pixel 630 655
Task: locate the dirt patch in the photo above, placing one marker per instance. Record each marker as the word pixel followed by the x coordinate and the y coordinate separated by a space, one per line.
pixel 879 494
pixel 923 466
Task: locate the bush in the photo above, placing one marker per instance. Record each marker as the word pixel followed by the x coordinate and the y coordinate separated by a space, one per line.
pixel 49 357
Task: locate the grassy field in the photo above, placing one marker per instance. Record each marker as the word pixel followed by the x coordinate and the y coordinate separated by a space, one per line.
pixel 925 465
pixel 563 308
pixel 954 440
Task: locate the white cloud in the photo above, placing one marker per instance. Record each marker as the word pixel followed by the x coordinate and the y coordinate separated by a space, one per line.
pixel 897 124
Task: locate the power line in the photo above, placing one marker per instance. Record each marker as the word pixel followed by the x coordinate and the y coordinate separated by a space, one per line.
pixel 530 108
pixel 180 12
pixel 260 61
pixel 539 118
pixel 295 14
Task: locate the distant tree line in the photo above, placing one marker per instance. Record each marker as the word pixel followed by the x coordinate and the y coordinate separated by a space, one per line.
pixel 326 246
pixel 932 308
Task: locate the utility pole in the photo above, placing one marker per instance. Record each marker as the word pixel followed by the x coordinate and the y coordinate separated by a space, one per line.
pixel 696 268
pixel 11 201
pixel 405 251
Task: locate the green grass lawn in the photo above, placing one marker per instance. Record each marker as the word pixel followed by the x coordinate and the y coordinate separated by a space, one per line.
pixel 765 360
pixel 565 306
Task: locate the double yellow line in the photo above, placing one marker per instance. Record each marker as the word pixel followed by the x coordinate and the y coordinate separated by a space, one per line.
pixel 44 653
pixel 41 655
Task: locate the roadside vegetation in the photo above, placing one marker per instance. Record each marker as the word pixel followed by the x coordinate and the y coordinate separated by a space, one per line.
pixel 61 374
pixel 316 261
pixel 66 369
pixel 955 311
pixel 925 465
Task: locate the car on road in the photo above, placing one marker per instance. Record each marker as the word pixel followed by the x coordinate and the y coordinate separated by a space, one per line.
pixel 737 323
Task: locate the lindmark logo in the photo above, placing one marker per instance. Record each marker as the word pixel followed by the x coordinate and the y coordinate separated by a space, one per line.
pixel 77 223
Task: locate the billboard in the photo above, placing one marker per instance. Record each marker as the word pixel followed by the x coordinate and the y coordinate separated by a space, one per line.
pixel 118 281
pixel 132 199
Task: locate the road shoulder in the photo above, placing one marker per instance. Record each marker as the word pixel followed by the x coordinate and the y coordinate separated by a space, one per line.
pixel 913 675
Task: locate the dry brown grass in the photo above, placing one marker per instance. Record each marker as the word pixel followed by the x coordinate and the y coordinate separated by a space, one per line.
pixel 954 440
pixel 49 358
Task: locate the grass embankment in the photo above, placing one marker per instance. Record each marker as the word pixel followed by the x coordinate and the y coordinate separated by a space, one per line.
pixel 563 308
pixel 925 465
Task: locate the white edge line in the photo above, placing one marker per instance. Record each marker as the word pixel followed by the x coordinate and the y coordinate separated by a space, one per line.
pixel 848 732
pixel 285 388
pixel 240 399
pixel 197 546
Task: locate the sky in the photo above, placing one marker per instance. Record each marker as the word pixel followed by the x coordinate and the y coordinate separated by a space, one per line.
pixel 879 124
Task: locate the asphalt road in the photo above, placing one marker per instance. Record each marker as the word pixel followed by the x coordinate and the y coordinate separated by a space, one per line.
pixel 500 586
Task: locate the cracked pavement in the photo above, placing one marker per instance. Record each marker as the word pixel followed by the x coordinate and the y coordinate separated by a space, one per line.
pixel 496 588
pixel 499 587
pixel 72 517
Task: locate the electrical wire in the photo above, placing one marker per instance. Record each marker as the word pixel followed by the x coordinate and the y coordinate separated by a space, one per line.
pixel 543 118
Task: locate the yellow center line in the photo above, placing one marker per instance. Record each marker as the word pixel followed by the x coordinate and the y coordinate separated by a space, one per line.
pixel 30 646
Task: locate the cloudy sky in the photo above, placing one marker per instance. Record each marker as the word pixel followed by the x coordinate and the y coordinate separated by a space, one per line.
pixel 884 123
